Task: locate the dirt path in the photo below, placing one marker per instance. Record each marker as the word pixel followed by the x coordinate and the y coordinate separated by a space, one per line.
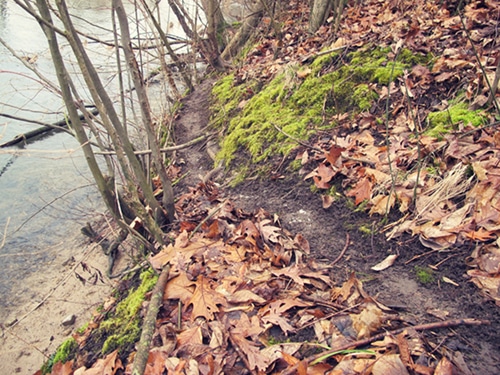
pixel 300 211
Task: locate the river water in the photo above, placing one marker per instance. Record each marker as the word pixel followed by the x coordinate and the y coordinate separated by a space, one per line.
pixel 46 191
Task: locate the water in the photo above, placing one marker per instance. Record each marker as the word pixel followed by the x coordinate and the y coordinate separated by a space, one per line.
pixel 46 191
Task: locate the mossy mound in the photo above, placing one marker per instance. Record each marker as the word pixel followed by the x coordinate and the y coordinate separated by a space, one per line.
pixel 263 120
pixel 65 352
pixel 123 328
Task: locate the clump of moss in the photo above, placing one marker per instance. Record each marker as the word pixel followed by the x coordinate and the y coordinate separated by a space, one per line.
pixel 65 352
pixel 123 329
pixel 441 123
pixel 299 106
pixel 424 275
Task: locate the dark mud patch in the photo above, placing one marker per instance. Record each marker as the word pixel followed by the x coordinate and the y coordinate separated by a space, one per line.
pixel 398 287
pixel 301 211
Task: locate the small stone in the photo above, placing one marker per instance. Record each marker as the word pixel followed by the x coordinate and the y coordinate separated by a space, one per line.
pixel 69 320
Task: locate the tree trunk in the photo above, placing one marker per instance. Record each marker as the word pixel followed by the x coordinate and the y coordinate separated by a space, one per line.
pixel 130 164
pixel 319 13
pixel 107 192
pixel 168 193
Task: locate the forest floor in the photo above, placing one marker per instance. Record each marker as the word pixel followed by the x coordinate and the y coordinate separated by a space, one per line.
pixel 301 211
pixel 264 212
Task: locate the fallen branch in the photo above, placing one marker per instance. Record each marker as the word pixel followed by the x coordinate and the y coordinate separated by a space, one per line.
pixel 148 327
pixel 165 149
pixel 61 125
pixel 380 336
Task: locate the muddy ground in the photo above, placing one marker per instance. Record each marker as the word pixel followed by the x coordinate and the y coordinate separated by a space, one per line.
pixel 301 211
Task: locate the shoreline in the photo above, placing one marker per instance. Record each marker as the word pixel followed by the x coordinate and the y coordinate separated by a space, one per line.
pixel 74 283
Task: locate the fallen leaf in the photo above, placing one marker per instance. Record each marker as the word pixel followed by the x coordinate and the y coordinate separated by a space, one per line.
pixel 108 365
pixel 386 263
pixel 180 287
pixel 449 281
pixel 389 364
pixel 362 191
pixel 205 300
pixel 367 321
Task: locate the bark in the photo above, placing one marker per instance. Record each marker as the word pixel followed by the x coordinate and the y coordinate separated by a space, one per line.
pixel 215 25
pixel 319 13
pixel 242 36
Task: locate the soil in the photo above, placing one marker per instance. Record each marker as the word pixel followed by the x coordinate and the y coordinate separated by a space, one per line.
pixel 72 284
pixel 301 211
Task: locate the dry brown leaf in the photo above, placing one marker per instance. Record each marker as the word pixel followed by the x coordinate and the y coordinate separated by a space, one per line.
pixel 108 365
pixel 362 191
pixel 367 321
pixel 205 299
pixel 323 176
pixel 62 368
pixel 245 296
pixel 275 313
pixel 386 263
pixel 444 367
pixel 180 287
pixel 189 336
pixel 389 364
pixel 255 358
pixel 156 362
pixel 327 201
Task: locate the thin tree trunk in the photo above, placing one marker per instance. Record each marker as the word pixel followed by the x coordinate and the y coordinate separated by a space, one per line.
pixel 130 164
pixel 105 189
pixel 319 13
pixel 168 193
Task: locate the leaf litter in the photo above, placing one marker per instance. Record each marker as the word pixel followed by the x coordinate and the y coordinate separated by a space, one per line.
pixel 246 297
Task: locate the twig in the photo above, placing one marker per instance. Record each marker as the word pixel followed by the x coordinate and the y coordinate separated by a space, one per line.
pixel 380 336
pixel 165 149
pixel 343 250
pixel 420 256
pixel 148 326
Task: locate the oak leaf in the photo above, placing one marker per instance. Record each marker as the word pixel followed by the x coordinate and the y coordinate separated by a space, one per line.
pixel 180 287
pixel 205 299
pixel 362 191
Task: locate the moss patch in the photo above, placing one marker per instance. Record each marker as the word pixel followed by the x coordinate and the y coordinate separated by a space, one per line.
pixel 65 352
pixel 441 123
pixel 424 275
pixel 123 329
pixel 301 104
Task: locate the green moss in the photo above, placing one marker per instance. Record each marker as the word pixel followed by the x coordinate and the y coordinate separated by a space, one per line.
pixel 123 329
pixel 64 353
pixel 424 275
pixel 364 97
pixel 299 107
pixel 441 123
pixel 295 165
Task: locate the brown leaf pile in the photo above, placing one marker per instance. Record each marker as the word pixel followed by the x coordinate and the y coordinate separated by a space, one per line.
pixel 447 189
pixel 243 297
